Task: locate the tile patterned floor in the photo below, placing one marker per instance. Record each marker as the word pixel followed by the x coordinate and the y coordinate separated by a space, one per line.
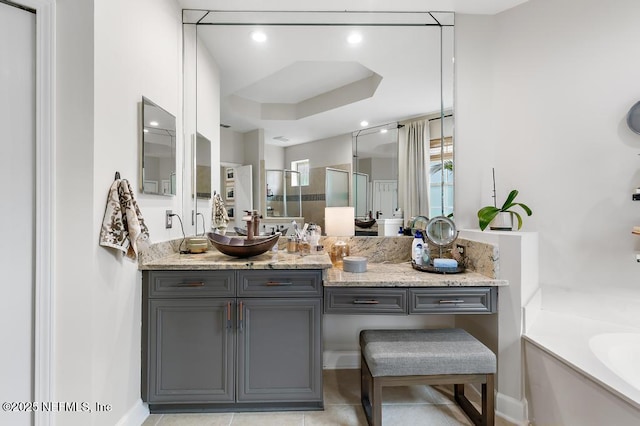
pixel 402 406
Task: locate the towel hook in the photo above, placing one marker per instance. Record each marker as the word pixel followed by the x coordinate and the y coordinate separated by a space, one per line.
pixel 117 176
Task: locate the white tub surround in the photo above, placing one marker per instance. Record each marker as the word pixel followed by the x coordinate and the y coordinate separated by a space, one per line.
pixel 580 348
pixel 566 381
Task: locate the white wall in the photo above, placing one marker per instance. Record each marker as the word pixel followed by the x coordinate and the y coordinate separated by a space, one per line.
pixel 231 146
pixel 105 53
pixel 542 94
pixel 321 153
pixel 274 157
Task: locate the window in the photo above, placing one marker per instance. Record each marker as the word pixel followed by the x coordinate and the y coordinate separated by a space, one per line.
pixel 441 175
pixel 302 167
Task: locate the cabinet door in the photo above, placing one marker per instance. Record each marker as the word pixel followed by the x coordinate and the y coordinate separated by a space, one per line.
pixel 191 350
pixel 279 350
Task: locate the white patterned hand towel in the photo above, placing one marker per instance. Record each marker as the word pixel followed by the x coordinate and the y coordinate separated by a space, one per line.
pixel 123 227
pixel 219 216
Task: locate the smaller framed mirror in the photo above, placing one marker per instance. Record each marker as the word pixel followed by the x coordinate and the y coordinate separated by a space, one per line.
pixel 441 231
pixel 158 150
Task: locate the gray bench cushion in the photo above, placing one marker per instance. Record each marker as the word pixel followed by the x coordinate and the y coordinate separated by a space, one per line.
pixel 425 352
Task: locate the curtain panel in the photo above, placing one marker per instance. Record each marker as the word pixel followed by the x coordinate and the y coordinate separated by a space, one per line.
pixel 413 173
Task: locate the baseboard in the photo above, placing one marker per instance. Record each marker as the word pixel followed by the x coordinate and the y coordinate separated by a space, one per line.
pixel 333 360
pixel 512 410
pixel 136 415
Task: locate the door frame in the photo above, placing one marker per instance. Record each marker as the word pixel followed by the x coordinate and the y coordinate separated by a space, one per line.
pixel 375 196
pixel 44 326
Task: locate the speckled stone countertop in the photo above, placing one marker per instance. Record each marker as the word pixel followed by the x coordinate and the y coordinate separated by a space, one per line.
pixel 403 275
pixel 213 260
pixel 387 265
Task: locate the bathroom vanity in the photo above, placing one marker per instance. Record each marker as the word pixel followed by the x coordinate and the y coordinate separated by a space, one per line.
pixel 226 334
pixel 233 334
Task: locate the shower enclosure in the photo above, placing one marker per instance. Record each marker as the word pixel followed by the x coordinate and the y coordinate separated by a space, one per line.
pixel 375 171
pixel 283 193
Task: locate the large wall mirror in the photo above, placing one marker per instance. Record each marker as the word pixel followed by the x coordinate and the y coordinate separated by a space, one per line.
pixel 158 150
pixel 305 80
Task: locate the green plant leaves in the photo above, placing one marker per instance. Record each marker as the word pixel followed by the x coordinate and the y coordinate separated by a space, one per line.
pixel 488 213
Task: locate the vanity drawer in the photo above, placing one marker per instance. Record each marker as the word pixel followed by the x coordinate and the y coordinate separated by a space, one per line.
pixel 453 300
pixel 171 284
pixel 280 283
pixel 365 301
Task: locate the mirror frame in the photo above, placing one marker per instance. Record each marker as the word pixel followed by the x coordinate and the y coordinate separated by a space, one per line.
pixel 192 17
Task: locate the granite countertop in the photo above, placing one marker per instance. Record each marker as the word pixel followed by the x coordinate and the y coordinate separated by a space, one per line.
pixel 214 260
pixel 403 275
pixel 387 264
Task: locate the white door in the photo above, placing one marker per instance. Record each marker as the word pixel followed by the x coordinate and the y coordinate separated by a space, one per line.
pixel 17 215
pixel 385 198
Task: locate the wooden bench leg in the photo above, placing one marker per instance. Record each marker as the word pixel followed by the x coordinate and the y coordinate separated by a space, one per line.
pixel 488 403
pixel 370 395
pixel 366 389
pixel 487 417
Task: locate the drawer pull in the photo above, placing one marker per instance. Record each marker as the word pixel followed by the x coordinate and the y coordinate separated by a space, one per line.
pixel 278 283
pixel 451 301
pixel 193 284
pixel 365 302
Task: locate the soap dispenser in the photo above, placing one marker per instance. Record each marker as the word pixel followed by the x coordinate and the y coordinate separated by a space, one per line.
pixel 416 248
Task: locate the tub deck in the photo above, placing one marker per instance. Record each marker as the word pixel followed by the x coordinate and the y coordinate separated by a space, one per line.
pixel 566 338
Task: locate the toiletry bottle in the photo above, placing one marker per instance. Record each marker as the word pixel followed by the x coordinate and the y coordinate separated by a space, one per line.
pixel 425 254
pixel 416 248
pixel 400 232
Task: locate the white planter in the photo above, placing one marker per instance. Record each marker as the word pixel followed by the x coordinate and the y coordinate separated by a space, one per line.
pixel 502 222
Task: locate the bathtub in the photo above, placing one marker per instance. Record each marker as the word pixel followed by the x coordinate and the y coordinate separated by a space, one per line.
pixel 581 370
pixel 620 353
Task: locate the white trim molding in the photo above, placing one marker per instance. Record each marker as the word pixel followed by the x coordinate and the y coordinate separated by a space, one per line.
pixel 45 193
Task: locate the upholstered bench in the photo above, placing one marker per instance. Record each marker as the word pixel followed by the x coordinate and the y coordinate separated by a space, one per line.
pixel 425 357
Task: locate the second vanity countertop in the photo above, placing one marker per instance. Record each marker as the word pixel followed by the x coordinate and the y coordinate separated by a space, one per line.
pixel 403 275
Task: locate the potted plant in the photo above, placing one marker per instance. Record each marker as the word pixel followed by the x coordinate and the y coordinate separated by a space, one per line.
pixel 502 218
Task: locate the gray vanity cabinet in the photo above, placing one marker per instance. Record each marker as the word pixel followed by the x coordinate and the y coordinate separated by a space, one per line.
pixel 280 336
pixel 279 351
pixel 191 351
pixel 232 340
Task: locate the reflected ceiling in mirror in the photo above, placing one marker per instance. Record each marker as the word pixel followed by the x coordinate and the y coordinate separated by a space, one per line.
pixel 307 82
pixel 158 150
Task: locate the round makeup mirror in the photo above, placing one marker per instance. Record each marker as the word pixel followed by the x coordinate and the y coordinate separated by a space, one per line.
pixel 441 231
pixel 633 118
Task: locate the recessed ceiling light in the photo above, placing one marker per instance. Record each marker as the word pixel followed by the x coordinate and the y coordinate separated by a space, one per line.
pixel 383 131
pixel 153 123
pixel 364 123
pixel 354 38
pixel 259 36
